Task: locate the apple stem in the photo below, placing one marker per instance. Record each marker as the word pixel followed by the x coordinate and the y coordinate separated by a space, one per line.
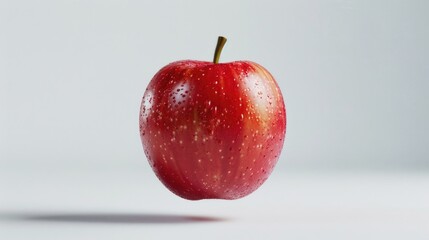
pixel 220 43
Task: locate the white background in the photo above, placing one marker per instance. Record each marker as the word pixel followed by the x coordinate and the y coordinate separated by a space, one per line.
pixel 354 75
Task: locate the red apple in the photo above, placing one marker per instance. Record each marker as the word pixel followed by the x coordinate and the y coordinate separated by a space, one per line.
pixel 212 130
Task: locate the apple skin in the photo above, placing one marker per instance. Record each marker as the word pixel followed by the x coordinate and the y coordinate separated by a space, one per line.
pixel 212 131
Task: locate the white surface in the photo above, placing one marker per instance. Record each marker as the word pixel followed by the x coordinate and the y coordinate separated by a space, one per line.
pixel 130 203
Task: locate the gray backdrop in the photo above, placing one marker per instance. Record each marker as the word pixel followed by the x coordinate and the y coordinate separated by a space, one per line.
pixel 354 75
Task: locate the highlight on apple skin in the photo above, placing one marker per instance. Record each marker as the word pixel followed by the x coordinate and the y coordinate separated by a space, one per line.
pixel 212 130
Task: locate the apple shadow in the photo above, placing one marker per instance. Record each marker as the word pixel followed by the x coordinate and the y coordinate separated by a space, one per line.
pixel 109 218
